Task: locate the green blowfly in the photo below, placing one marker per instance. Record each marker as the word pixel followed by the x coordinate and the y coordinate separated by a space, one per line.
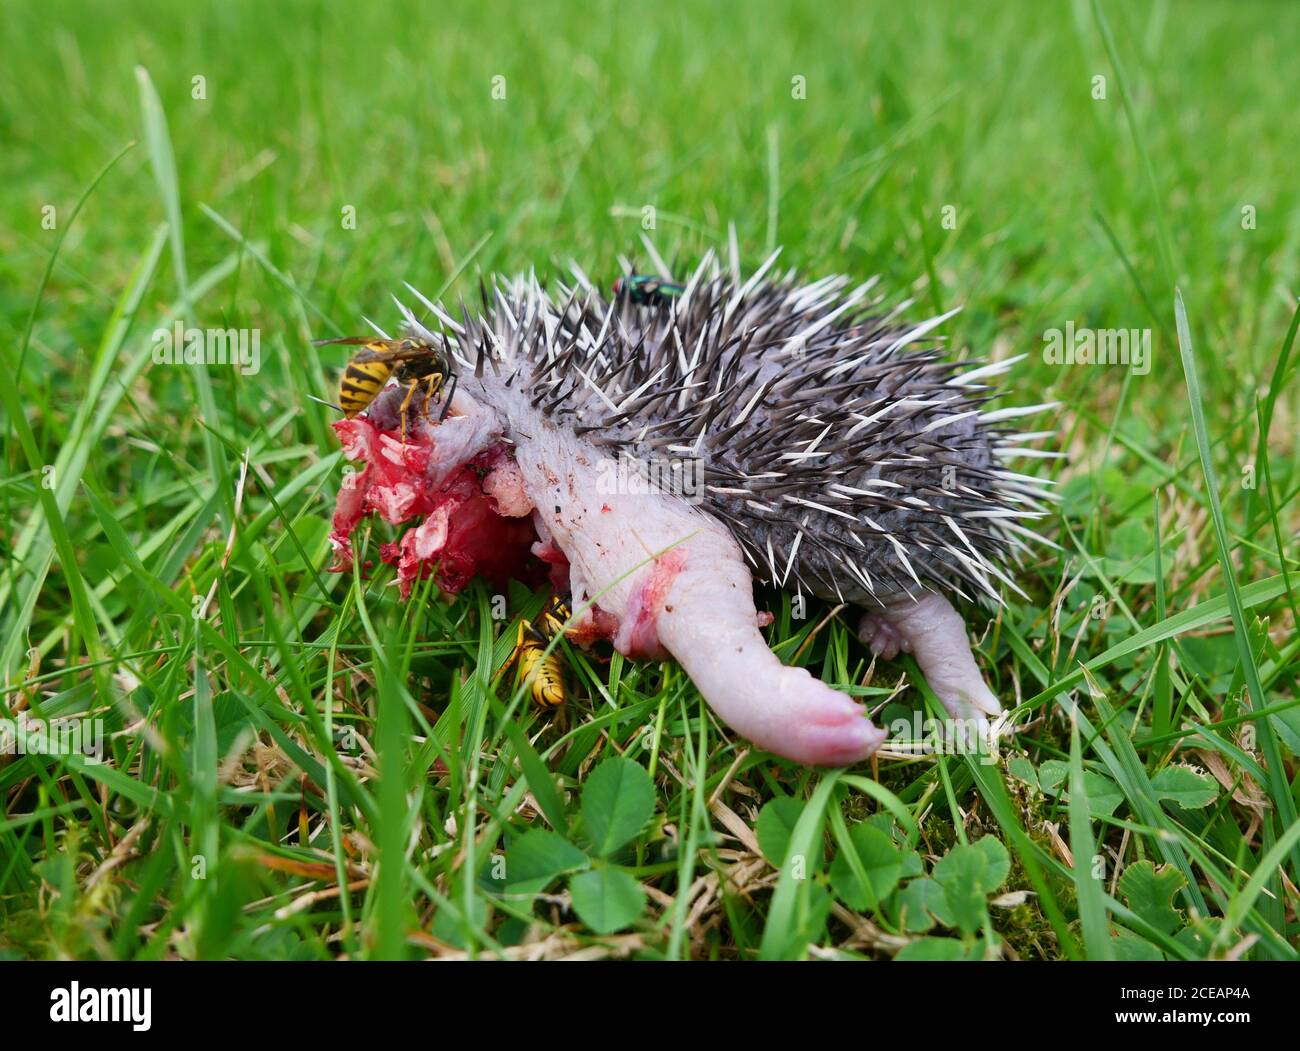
pixel 647 290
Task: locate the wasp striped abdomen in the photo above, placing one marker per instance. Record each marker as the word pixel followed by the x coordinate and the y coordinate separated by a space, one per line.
pixel 363 379
pixel 541 672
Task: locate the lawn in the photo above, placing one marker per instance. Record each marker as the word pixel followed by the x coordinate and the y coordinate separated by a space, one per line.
pixel 298 765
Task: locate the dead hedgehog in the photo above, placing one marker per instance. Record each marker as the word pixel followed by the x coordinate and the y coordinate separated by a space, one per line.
pixel 661 447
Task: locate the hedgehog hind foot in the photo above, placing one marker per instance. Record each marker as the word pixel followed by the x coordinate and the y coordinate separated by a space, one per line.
pixel 883 638
pixel 935 634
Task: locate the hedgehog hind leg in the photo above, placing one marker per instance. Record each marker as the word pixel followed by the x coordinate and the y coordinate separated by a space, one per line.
pixel 934 633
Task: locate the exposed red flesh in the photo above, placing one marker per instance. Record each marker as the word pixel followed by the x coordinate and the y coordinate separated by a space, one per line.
pixel 462 531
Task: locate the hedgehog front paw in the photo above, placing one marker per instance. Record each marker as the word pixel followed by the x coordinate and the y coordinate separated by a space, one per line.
pixel 883 638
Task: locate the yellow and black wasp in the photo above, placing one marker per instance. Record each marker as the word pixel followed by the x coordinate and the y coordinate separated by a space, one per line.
pixel 542 672
pixel 416 365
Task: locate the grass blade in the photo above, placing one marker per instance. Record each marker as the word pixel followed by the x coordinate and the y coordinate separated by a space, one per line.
pixel 1279 789
pixel 1088 890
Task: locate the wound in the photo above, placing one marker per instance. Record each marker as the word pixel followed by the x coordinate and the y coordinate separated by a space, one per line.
pixel 638 634
pixel 466 525
pixel 590 626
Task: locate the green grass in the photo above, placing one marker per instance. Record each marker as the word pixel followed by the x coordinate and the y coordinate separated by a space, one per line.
pixel 298 765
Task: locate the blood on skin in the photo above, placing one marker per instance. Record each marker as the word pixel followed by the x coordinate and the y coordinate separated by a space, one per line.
pixel 590 625
pixel 638 634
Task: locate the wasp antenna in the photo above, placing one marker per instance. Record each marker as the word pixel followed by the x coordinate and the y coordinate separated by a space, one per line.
pixel 327 404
